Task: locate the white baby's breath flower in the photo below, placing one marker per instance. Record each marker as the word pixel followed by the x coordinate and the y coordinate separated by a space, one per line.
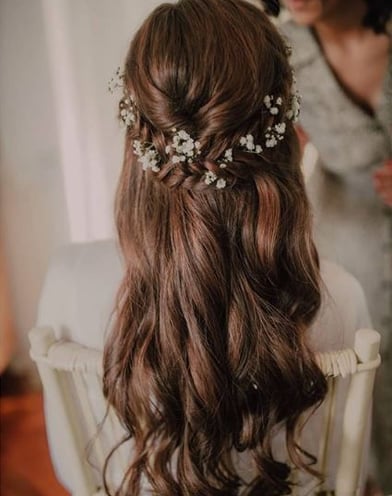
pixel 222 165
pixel 221 183
pixel 295 107
pixel 250 144
pixel 267 100
pixel 129 119
pixel 127 112
pixel 210 177
pixel 185 146
pixel 137 147
pixel 116 81
pixel 295 104
pixel 280 127
pixel 229 155
pixel 279 100
pixel 274 110
pixel 188 148
pixel 271 142
pixel 183 135
pixel 148 155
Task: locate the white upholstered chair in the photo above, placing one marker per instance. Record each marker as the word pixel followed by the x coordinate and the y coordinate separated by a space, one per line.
pixel 71 377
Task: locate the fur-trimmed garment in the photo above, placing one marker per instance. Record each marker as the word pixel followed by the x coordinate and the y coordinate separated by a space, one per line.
pixel 352 226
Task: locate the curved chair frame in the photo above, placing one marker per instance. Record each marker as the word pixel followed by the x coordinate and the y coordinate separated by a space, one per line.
pixel 60 361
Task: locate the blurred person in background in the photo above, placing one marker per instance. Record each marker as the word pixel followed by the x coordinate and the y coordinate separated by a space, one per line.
pixel 7 334
pixel 342 57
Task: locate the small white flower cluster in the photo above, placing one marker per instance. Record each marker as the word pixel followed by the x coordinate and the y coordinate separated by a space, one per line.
pixel 295 102
pixel 117 81
pixel 248 143
pixel 127 106
pixel 275 134
pixel 186 148
pixel 272 104
pixel 227 158
pixel 127 112
pixel 293 113
pixel 148 155
pixel 210 178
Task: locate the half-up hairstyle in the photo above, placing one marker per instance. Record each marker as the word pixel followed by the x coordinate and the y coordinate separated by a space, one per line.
pixel 208 354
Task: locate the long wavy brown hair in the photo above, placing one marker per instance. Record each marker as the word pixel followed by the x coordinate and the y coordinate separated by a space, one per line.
pixel 209 354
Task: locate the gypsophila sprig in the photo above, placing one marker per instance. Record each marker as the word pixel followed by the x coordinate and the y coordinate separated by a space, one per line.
pixel 148 155
pixel 185 148
pixel 127 112
pixel 117 81
pixel 127 104
pixel 210 177
pixel 292 113
pixel 274 134
pixel 247 143
pixel 272 104
pixel 227 158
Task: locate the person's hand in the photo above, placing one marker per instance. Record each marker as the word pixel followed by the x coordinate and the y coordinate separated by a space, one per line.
pixel 382 180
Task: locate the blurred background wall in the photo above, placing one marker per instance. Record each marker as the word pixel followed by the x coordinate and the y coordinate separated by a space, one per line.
pixel 60 143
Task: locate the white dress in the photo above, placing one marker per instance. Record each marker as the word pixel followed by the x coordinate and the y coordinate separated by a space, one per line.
pixel 78 297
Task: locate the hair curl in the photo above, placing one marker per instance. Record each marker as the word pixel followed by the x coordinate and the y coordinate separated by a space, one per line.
pixel 209 353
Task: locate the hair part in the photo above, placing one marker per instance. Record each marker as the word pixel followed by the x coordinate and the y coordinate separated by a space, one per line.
pixel 209 353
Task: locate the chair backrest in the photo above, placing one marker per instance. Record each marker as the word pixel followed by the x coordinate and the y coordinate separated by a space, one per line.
pixel 72 380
